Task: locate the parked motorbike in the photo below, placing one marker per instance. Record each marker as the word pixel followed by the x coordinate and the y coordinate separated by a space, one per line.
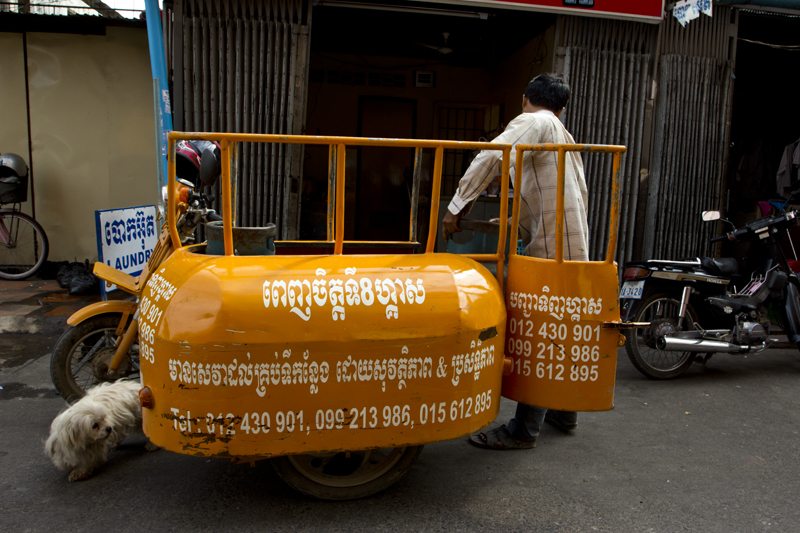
pixel 100 343
pixel 702 306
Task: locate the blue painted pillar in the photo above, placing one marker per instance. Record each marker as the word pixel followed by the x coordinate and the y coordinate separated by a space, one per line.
pixel 159 67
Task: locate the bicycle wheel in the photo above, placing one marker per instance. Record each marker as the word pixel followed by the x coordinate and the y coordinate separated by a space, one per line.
pixel 23 245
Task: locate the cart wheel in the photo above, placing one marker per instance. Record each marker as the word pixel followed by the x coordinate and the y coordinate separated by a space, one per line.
pixel 346 475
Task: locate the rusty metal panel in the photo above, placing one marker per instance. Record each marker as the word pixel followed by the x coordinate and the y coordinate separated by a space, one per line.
pixel 244 69
pixel 188 79
pixel 610 66
pixel 690 163
pixel 692 110
pixel 607 64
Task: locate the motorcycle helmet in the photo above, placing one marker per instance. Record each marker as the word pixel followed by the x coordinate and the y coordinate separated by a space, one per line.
pixel 187 158
pixel 12 166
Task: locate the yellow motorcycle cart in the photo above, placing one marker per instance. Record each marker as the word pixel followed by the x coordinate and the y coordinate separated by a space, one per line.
pixel 341 367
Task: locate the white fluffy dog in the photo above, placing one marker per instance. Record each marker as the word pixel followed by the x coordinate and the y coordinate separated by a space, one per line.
pixel 83 434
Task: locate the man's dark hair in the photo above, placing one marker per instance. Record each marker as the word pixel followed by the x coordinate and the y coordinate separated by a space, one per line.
pixel 548 91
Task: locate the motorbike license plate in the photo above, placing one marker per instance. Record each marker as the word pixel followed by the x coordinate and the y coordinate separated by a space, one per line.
pixel 632 290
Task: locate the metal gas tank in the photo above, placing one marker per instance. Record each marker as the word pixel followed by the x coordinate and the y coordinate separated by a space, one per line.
pixel 274 355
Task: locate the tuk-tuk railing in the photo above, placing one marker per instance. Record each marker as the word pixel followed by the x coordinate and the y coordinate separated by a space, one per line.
pixel 562 150
pixel 337 154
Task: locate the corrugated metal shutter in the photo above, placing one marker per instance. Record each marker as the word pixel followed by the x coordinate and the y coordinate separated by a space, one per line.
pixel 607 65
pixel 241 66
pixel 691 133
pixel 668 181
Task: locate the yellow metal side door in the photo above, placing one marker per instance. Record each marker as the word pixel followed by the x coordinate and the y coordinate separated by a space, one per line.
pixel 562 355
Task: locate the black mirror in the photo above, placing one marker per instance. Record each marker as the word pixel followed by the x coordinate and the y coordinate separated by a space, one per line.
pixel 210 166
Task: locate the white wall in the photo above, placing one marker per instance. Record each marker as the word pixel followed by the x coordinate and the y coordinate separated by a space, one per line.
pixel 92 128
pixel 14 130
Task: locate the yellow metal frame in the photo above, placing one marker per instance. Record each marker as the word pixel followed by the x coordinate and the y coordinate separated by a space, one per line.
pixel 562 150
pixel 340 144
pixel 566 356
pixel 211 327
pixel 124 307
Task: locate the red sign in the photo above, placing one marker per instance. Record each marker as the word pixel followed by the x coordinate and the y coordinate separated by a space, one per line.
pixel 644 10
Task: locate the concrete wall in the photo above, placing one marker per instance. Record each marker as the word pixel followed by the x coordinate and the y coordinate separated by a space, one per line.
pixel 14 132
pixel 92 128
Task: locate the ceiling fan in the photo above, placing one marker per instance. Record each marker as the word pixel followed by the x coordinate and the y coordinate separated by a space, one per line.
pixel 444 49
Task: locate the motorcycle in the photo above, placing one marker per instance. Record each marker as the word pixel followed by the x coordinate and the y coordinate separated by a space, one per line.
pixel 101 342
pixel 688 310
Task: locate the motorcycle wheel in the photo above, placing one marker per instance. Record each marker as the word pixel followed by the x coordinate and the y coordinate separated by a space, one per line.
pixel 82 354
pixel 662 313
pixel 346 475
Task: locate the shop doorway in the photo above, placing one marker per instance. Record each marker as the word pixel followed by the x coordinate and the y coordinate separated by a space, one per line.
pixel 764 57
pixel 384 175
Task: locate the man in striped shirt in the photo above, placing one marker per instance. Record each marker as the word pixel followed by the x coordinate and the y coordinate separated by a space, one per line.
pixel 544 101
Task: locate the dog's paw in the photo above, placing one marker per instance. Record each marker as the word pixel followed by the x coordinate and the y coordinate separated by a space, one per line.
pixel 79 474
pixel 150 447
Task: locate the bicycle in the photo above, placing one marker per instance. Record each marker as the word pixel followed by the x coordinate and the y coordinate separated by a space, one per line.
pixel 23 241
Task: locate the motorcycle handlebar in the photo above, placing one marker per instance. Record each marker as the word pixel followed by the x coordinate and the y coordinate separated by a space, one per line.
pixel 213 217
pixel 760 225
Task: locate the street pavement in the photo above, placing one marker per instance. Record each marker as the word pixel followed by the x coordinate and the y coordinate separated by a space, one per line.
pixel 714 450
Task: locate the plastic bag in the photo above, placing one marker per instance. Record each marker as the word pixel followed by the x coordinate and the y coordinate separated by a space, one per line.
pixel 67 272
pixel 84 282
pixel 78 278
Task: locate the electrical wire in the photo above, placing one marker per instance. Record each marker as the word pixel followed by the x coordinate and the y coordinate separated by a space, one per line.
pixel 778 46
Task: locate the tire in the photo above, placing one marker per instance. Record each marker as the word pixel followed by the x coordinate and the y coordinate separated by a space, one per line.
pixel 23 245
pixel 346 475
pixel 661 311
pixel 72 373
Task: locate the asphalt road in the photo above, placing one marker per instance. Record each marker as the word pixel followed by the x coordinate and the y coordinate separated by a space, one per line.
pixel 715 450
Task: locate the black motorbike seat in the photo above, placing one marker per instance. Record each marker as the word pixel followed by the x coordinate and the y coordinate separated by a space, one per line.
pixel 719 266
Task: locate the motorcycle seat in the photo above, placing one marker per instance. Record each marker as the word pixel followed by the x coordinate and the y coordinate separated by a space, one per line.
pixel 719 266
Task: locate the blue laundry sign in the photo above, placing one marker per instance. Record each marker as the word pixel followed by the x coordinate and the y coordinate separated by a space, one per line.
pixel 125 239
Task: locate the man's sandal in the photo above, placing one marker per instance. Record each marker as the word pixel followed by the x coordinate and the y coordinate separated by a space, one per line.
pixel 500 439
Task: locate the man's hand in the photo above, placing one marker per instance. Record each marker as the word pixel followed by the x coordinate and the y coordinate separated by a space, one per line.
pixel 450 224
